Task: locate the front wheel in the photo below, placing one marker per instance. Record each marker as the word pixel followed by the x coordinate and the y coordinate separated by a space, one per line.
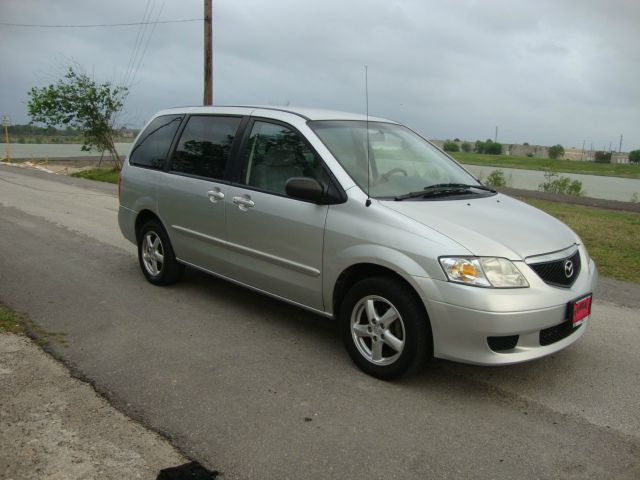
pixel 385 327
pixel 155 254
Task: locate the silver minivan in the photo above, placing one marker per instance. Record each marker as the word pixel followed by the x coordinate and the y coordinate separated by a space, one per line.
pixel 360 219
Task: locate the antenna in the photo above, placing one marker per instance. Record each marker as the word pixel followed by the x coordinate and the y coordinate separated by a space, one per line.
pixel 366 93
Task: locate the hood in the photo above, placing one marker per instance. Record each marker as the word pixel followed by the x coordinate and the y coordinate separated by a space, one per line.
pixel 495 226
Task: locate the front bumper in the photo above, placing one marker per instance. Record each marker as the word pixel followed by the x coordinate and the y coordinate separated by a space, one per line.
pixel 463 318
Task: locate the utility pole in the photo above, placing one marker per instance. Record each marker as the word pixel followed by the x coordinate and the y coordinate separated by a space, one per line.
pixel 496 137
pixel 582 154
pixel 208 54
pixel 6 121
pixel 620 147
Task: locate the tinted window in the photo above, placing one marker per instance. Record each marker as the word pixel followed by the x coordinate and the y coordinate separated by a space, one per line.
pixel 205 145
pixel 153 146
pixel 276 153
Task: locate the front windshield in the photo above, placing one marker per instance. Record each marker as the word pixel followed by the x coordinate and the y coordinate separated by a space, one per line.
pixel 400 160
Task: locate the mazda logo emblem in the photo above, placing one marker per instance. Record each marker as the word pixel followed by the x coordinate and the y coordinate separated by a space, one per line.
pixel 568 269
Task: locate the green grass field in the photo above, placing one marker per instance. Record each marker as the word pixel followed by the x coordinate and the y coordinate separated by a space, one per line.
pixel 564 166
pixel 611 236
pixel 99 174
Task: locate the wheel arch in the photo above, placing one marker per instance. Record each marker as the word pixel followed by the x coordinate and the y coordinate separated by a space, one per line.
pixel 143 217
pixel 356 272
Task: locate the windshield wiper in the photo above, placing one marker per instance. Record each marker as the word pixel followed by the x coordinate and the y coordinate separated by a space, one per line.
pixel 442 189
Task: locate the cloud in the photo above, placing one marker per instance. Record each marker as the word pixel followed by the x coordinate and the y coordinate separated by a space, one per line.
pixel 545 72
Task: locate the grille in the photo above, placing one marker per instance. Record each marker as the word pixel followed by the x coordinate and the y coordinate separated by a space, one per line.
pixel 555 273
pixel 498 344
pixel 555 334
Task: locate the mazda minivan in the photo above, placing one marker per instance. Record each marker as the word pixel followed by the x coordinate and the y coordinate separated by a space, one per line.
pixel 360 219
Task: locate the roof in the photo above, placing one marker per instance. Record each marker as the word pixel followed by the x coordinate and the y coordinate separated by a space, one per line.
pixel 306 113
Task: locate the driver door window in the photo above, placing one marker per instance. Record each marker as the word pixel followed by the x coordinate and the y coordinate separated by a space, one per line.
pixel 274 154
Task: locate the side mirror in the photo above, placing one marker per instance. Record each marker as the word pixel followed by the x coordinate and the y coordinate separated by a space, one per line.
pixel 305 188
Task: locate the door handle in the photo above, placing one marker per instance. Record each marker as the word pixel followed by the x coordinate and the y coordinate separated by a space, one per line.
pixel 215 195
pixel 243 202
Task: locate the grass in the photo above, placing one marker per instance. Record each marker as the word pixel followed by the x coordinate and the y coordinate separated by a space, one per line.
pixel 611 237
pixel 13 322
pixel 564 166
pixel 10 321
pixel 99 174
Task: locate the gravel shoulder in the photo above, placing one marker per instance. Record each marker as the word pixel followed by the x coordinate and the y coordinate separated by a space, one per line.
pixel 57 427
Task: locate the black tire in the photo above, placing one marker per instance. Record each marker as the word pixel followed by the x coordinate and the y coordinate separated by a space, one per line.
pixel 411 327
pixel 168 271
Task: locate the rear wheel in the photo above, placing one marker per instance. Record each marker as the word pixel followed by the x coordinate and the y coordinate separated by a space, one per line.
pixel 155 254
pixel 385 327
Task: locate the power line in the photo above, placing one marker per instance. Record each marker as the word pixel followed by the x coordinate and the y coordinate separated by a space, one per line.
pixel 153 29
pixel 33 25
pixel 135 45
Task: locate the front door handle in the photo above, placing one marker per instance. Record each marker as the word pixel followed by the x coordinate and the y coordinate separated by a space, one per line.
pixel 244 202
pixel 215 195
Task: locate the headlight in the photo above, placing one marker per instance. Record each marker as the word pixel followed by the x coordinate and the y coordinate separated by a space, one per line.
pixel 483 272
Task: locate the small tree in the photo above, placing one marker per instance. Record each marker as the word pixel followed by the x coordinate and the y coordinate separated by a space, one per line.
pixel 556 151
pixel 450 146
pixel 493 148
pixel 496 179
pixel 555 183
pixel 466 147
pixel 634 156
pixel 602 157
pixel 79 102
pixel 489 147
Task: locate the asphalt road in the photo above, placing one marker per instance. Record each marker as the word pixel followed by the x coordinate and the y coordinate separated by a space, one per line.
pixel 259 389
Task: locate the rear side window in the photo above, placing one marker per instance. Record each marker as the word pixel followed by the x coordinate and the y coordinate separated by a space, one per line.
pixel 153 146
pixel 205 145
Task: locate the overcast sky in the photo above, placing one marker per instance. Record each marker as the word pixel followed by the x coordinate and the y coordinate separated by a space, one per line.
pixel 544 71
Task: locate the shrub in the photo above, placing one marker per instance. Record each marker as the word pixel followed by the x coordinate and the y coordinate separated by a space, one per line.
pixel 489 147
pixel 530 155
pixel 556 151
pixel 561 185
pixel 634 156
pixel 450 146
pixel 494 148
pixel 496 179
pixel 602 157
pixel 466 147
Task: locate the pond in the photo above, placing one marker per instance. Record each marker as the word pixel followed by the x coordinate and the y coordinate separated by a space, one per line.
pixel 609 188
pixel 54 150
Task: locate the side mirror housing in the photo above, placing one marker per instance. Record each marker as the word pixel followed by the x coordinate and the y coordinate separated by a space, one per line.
pixel 305 188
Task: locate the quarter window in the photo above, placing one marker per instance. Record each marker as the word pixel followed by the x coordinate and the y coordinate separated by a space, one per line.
pixel 205 145
pixel 274 154
pixel 152 148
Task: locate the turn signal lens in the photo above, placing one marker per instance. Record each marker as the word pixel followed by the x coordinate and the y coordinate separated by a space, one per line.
pixel 464 270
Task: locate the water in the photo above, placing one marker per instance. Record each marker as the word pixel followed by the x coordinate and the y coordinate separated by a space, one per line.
pixel 54 150
pixel 595 186
pixel 609 188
